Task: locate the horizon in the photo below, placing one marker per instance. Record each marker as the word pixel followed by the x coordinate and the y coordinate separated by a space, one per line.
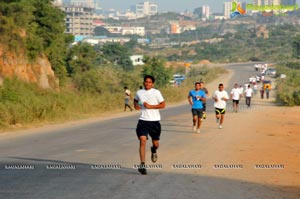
pixel 216 6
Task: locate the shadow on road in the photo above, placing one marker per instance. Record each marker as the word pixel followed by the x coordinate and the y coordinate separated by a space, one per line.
pixel 84 182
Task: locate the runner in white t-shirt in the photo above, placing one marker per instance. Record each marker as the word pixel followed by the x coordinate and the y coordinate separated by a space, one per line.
pixel 235 95
pixel 248 95
pixel 149 101
pixel 220 97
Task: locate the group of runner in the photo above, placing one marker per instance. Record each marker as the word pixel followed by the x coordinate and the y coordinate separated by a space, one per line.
pixel 149 100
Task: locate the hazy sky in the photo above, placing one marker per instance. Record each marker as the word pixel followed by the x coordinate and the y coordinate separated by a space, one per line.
pixel 169 5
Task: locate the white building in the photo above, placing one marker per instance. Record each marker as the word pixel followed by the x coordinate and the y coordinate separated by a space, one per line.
pixel 126 30
pixel 146 8
pixel 83 3
pixel 205 12
pixel 137 60
pixel 266 2
pixel 227 9
pixel 133 31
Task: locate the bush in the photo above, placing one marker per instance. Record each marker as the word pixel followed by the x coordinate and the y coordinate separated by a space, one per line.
pixel 288 93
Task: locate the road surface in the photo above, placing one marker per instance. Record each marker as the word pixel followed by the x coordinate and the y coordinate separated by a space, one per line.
pixel 97 160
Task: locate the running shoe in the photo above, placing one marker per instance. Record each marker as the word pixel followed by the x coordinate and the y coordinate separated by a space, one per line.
pixel 220 127
pixel 194 129
pixel 142 169
pixel 198 130
pixel 153 155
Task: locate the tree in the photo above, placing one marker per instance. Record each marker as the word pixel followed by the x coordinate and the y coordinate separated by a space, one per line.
pixel 35 27
pixel 101 31
pixel 296 46
pixel 118 55
pixel 81 58
pixel 155 66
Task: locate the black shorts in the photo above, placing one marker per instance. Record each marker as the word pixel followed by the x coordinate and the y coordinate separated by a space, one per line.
pixel 152 128
pixel 235 101
pixel 220 111
pixel 197 112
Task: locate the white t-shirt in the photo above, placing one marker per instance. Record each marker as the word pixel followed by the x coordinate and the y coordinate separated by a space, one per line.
pixel 248 92
pixel 152 97
pixel 221 104
pixel 127 94
pixel 236 93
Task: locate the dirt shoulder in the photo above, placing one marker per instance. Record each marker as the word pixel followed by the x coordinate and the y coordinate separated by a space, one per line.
pixel 260 144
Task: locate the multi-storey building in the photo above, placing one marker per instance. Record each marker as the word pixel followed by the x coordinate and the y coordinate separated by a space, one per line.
pixel 266 2
pixel 227 9
pixel 79 20
pixel 146 8
pixel 83 3
pixel 205 12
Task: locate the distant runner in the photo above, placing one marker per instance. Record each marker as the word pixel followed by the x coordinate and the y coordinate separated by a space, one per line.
pixel 196 98
pixel 151 100
pixel 235 95
pixel 220 97
pixel 248 95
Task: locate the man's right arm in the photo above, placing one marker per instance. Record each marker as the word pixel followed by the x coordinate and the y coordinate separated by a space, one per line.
pixel 190 99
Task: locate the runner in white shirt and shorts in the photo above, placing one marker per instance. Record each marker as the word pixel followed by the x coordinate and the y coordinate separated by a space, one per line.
pixel 220 97
pixel 235 95
pixel 149 100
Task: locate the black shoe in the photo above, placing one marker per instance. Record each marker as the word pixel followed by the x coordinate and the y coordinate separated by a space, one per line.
pixel 153 155
pixel 142 169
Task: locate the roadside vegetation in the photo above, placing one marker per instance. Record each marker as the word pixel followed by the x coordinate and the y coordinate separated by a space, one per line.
pixel 92 78
pixel 288 89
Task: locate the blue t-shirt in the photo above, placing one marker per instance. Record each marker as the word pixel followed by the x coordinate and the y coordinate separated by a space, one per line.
pixel 197 104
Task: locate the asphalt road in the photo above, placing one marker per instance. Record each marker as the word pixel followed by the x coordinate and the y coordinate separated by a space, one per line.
pixel 97 161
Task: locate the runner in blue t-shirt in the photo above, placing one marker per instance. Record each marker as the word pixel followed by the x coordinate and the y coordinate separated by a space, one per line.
pixel 196 98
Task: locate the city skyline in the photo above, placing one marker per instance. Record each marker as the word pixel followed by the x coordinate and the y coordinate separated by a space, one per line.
pixel 169 5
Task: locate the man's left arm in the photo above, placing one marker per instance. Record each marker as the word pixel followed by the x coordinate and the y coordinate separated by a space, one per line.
pixel 161 105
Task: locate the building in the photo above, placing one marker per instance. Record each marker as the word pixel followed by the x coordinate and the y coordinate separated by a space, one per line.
pixel 174 28
pixel 137 60
pixel 79 20
pixel 266 2
pixel 227 9
pixel 205 12
pixel 57 2
pixel 146 8
pixel 83 3
pixel 133 31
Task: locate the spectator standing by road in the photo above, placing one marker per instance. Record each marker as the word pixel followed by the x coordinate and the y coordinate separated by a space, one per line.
pixel 128 97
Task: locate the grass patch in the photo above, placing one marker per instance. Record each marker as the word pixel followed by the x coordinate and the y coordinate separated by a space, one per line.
pixel 23 104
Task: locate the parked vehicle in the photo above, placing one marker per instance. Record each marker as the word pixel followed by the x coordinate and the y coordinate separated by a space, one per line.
pixel 271 71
